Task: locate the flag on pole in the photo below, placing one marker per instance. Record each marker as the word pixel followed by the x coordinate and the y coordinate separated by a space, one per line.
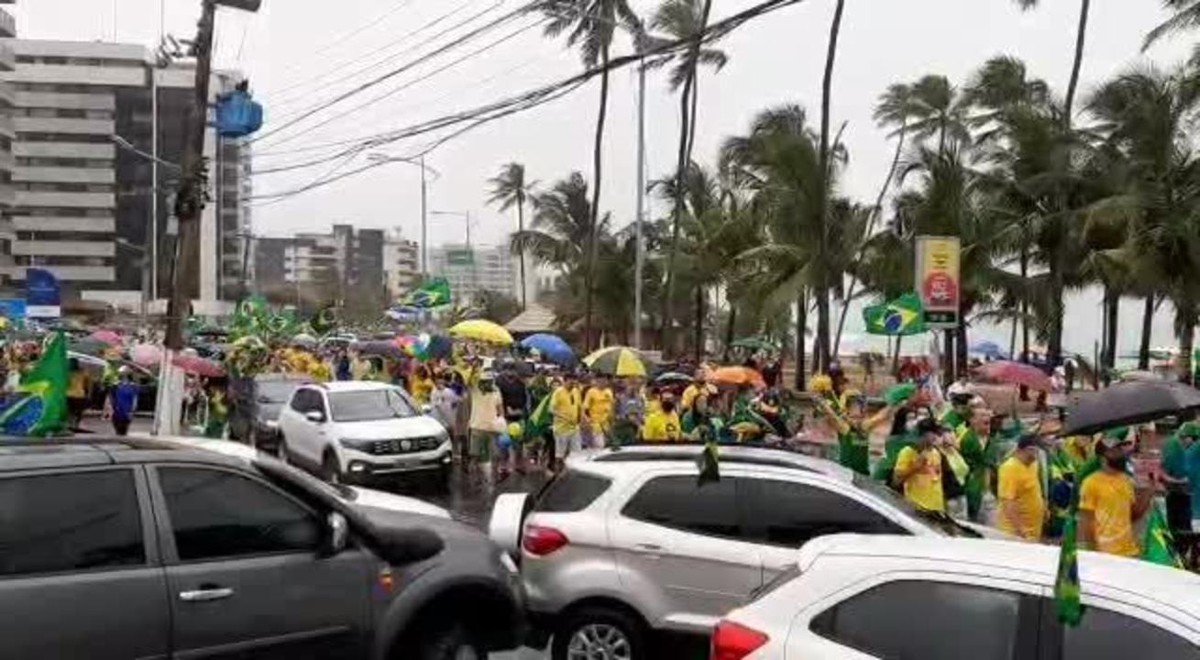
pixel 709 463
pixel 900 317
pixel 1066 582
pixel 1157 544
pixel 433 293
pixel 39 407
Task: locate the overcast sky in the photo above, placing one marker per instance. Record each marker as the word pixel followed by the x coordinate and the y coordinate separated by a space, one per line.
pixel 298 53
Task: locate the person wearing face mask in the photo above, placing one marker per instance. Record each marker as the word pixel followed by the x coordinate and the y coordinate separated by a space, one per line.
pixel 919 468
pixel 1109 503
pixel 662 424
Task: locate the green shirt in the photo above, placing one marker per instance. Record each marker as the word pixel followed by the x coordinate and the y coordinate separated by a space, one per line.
pixel 1174 457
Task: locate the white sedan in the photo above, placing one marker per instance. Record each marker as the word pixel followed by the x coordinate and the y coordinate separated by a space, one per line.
pixel 855 597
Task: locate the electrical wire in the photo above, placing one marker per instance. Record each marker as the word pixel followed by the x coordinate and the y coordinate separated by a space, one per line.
pixel 483 115
pixel 337 41
pixel 393 73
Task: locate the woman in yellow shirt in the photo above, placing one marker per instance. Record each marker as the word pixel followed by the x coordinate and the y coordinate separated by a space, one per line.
pixel 919 469
pixel 662 423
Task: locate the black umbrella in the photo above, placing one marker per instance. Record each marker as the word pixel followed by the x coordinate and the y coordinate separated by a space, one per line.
pixel 1127 403
pixel 379 348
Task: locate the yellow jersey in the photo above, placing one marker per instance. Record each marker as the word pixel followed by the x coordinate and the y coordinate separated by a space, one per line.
pixel 1110 499
pixel 598 403
pixel 662 427
pixel 1020 486
pixel 565 407
pixel 923 488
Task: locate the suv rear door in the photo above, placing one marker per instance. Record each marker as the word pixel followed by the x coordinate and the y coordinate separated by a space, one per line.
pixel 243 571
pixel 303 435
pixel 80 575
pixel 688 542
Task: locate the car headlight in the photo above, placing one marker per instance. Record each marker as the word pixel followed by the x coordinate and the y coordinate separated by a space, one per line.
pixel 350 443
pixel 272 424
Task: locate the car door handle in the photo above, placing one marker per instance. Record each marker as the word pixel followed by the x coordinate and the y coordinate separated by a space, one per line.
pixel 203 595
pixel 647 548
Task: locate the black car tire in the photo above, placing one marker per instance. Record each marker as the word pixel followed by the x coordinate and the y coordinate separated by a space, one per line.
pixel 450 642
pixel 627 624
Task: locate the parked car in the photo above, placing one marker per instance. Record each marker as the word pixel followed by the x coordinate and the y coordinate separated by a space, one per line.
pixel 129 548
pixel 626 542
pixel 354 494
pixel 255 406
pixel 853 597
pixel 361 432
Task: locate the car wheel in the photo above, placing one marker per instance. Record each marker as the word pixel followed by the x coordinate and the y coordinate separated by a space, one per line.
pixel 329 469
pixel 448 643
pixel 599 632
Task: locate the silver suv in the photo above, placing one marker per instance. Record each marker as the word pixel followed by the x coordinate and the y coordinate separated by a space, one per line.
pixel 626 542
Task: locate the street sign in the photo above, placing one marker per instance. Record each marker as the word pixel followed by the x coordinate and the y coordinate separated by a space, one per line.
pixel 43 296
pixel 460 257
pixel 937 279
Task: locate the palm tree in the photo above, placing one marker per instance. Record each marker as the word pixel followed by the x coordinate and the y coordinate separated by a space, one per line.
pixel 1186 16
pixel 679 20
pixel 1085 8
pixel 509 189
pixel 826 171
pixel 591 24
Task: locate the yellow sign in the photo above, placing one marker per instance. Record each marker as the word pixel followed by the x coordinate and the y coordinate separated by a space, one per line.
pixel 937 279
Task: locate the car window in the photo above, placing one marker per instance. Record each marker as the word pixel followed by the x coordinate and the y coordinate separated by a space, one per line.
pixel 790 514
pixel 300 400
pixel 274 391
pixel 1107 634
pixel 679 502
pixel 368 405
pixel 69 522
pixel 571 491
pixel 926 621
pixel 221 514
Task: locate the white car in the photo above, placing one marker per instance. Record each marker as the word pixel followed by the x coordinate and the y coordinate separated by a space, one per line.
pixel 359 432
pixel 852 597
pixel 361 496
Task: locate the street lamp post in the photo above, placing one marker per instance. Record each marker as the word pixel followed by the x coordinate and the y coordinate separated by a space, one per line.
pixel 124 243
pixel 466 216
pixel 418 162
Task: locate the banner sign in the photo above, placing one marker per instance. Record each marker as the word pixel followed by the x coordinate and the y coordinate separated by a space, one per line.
pixel 43 298
pixel 460 257
pixel 12 309
pixel 937 279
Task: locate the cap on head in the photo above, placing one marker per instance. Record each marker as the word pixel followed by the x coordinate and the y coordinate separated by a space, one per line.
pixel 928 425
pixel 1190 429
pixel 1028 440
pixel 1114 438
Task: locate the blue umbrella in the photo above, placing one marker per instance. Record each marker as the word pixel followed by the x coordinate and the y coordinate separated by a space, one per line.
pixel 552 347
pixel 989 349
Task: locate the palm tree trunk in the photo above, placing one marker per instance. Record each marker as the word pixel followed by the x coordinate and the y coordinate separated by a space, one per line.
pixel 1187 338
pixel 1024 305
pixel 1147 328
pixel 729 328
pixel 960 345
pixel 1012 340
pixel 677 211
pixel 835 27
pixel 1085 7
pixel 1054 346
pixel 521 253
pixel 695 83
pixel 699 349
pixel 1112 310
pixel 801 324
pixel 589 274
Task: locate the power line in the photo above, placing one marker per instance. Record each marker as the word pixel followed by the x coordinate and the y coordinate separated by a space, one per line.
pixel 353 33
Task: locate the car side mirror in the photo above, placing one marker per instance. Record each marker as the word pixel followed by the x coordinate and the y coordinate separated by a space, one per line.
pixel 337 533
pixel 315 416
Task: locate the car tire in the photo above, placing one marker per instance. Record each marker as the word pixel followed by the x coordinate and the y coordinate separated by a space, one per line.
pixel 329 468
pixel 451 642
pixel 604 631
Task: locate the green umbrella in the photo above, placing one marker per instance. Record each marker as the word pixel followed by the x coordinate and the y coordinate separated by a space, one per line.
pixel 755 344
pixel 897 394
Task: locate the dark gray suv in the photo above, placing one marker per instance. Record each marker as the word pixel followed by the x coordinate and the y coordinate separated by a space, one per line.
pixel 128 548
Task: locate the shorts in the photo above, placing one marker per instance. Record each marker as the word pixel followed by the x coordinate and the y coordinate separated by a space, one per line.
pixel 482 444
pixel 121 425
pixel 566 443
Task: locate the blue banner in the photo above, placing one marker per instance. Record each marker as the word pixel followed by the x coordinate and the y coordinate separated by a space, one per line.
pixel 43 297
pixel 12 309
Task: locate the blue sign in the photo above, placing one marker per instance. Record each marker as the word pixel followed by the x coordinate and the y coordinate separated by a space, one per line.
pixel 12 309
pixel 43 297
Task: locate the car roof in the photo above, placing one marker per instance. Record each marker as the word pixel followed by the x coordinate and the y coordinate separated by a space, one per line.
pixel 21 454
pixel 619 460
pixel 354 386
pixel 1168 585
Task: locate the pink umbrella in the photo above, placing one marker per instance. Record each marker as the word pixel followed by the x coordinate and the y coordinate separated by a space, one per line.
pixel 107 336
pixel 147 355
pixel 1017 373
pixel 194 364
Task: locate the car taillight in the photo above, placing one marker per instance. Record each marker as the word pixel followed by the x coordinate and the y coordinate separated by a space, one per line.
pixel 732 641
pixel 540 541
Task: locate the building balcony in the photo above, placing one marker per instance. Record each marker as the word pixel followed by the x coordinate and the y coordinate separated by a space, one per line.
pixel 54 74
pixel 8 162
pixel 7 126
pixel 8 196
pixel 8 24
pixel 72 200
pixel 64 175
pixel 64 150
pixel 73 224
pixel 72 273
pixel 8 59
pixel 64 248
pixel 64 126
pixel 66 101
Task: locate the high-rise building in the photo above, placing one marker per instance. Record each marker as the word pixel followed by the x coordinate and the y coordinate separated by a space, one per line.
pixel 8 62
pixel 84 127
pixel 401 264
pixel 345 264
pixel 472 269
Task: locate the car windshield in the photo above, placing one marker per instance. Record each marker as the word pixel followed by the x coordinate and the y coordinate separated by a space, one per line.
pixel 369 405
pixel 938 522
pixel 276 391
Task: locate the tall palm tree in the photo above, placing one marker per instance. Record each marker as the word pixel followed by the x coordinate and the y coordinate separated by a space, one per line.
pixel 684 19
pixel 826 171
pixel 1085 9
pixel 1185 16
pixel 591 25
pixel 509 189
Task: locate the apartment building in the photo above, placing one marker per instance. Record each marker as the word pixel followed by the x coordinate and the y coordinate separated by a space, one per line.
pixel 472 269
pixel 345 264
pixel 401 264
pixel 8 62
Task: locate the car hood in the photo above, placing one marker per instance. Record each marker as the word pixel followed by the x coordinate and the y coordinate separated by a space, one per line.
pixel 390 429
pixel 399 533
pixel 399 503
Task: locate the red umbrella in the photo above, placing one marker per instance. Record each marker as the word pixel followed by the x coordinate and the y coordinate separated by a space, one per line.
pixel 1017 373
pixel 107 336
pixel 194 364
pixel 737 376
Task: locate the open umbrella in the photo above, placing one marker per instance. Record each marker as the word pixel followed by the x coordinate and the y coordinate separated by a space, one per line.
pixel 147 355
pixel 737 376
pixel 482 330
pixel 304 341
pixel 1125 404
pixel 89 346
pixel 618 361
pixel 673 377
pixel 552 347
pixel 194 364
pixel 385 349
pixel 1017 373
pixel 106 336
pixel 755 344
pixel 990 350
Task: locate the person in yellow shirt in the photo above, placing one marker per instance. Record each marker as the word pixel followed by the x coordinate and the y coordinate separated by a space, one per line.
pixel 420 386
pixel 1108 502
pixel 918 468
pixel 1019 486
pixel 598 411
pixel 79 387
pixel 662 424
pixel 565 409
pixel 697 387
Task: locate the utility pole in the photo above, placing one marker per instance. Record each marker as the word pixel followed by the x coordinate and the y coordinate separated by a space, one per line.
pixel 424 225
pixel 641 203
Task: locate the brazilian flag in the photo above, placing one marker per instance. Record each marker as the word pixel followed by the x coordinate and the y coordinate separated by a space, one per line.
pixel 709 463
pixel 901 317
pixel 1066 581
pixel 39 407
pixel 1157 544
pixel 326 320
pixel 433 293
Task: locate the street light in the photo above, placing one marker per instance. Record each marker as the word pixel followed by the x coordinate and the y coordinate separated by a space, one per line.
pixel 379 157
pixel 141 250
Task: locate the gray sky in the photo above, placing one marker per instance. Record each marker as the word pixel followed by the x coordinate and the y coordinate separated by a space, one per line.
pixel 293 50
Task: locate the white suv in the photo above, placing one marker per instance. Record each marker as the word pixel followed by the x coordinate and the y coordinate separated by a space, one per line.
pixel 854 597
pixel 357 431
pixel 625 541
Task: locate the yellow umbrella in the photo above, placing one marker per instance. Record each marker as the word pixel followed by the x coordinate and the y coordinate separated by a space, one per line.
pixel 482 330
pixel 618 361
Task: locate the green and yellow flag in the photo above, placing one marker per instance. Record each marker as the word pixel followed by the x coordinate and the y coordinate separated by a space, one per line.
pixel 1066 582
pixel 901 317
pixel 433 293
pixel 326 320
pixel 1157 544
pixel 39 407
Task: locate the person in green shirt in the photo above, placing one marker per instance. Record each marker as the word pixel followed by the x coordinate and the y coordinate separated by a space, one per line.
pixel 853 429
pixel 973 438
pixel 958 413
pixel 701 423
pixel 1174 476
